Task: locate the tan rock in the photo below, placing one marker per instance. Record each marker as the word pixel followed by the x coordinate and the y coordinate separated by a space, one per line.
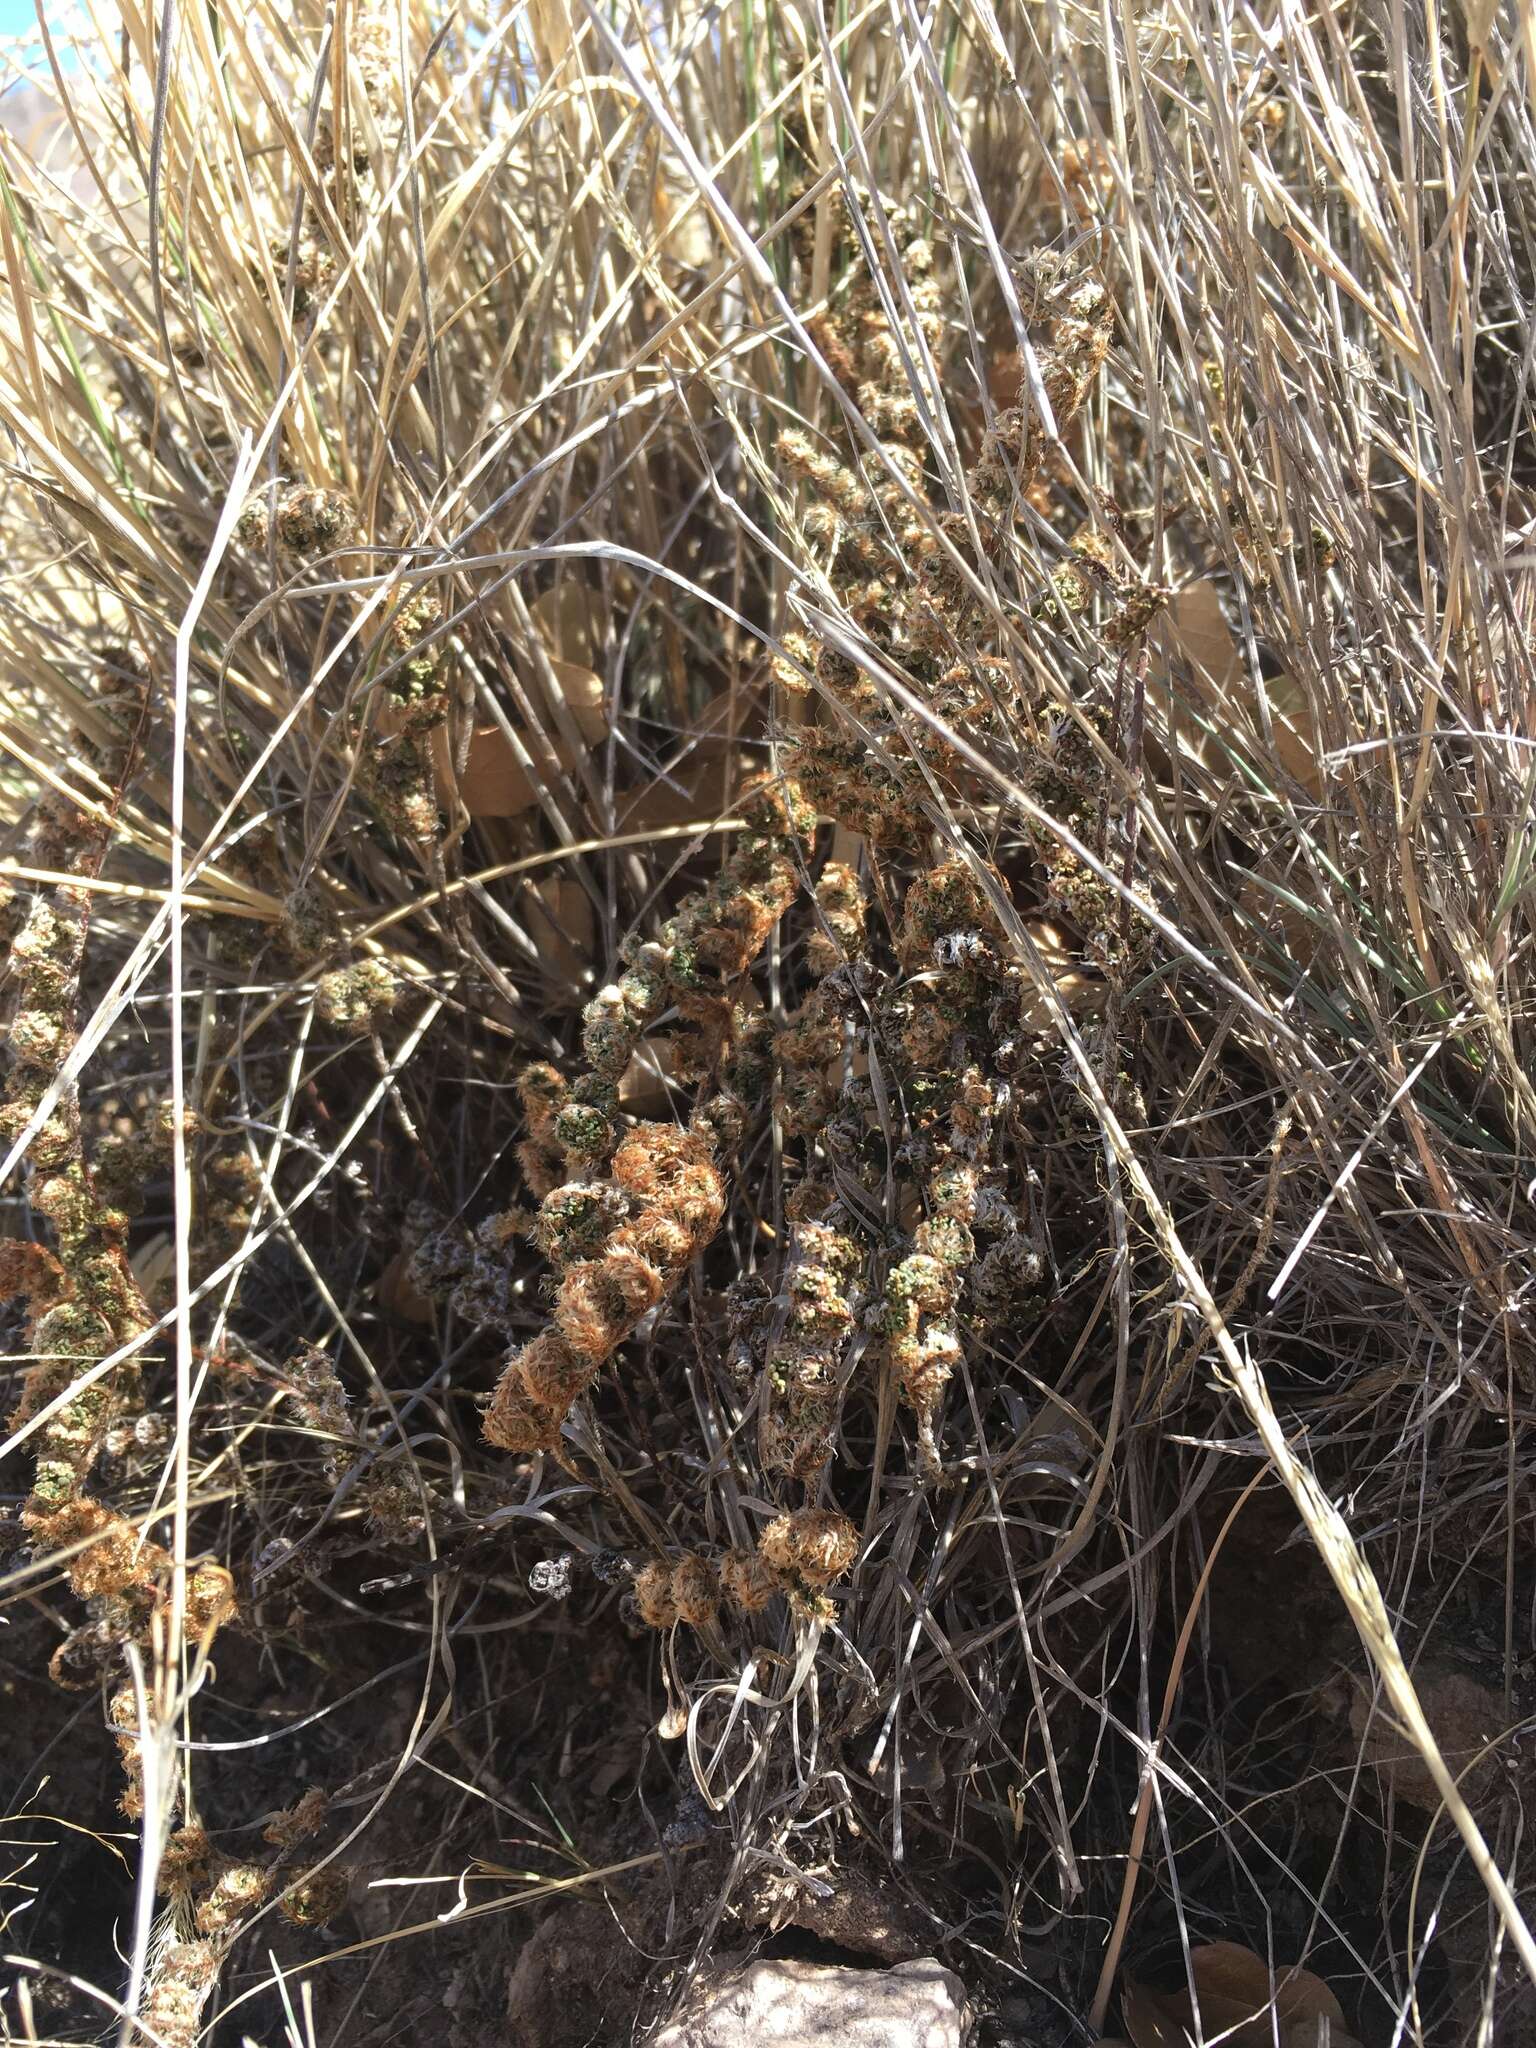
pixel 822 2005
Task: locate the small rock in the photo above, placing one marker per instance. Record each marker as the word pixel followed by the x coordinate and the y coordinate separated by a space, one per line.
pixel 827 2005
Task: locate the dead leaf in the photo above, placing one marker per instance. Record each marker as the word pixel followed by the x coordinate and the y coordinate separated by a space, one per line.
pixel 568 621
pixel 1147 2021
pixel 563 924
pixel 1193 638
pixel 1295 736
pixel 702 787
pixel 680 353
pixel 1083 994
pixel 643 1089
pixel 567 615
pixel 1195 627
pixel 399 1296
pixel 1236 1994
pixel 587 694
pixel 687 234
pixel 1316 2033
pixel 1236 1989
pixel 154 1267
pixel 1054 1431
pixel 1005 379
pixel 1464 1716
pixel 493 782
pixel 1225 1972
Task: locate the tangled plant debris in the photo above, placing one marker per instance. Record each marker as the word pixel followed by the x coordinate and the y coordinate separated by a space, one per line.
pixel 767 1096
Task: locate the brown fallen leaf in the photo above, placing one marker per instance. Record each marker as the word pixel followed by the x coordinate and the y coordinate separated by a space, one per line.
pixel 1239 2000
pixel 643 1089
pixel 1147 2020
pixel 586 693
pixel 1465 1717
pixel 154 1267
pixel 493 783
pixel 685 231
pixel 1193 637
pixel 701 787
pixel 1083 994
pixel 643 1086
pixel 568 615
pixel 563 924
pixel 1195 627
pixel 1236 1988
pixel 399 1296
pixel 568 620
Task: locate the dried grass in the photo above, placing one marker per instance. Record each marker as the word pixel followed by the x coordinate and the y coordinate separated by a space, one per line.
pixel 458 421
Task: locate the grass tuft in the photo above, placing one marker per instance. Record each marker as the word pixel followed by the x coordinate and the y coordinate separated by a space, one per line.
pixel 768 888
